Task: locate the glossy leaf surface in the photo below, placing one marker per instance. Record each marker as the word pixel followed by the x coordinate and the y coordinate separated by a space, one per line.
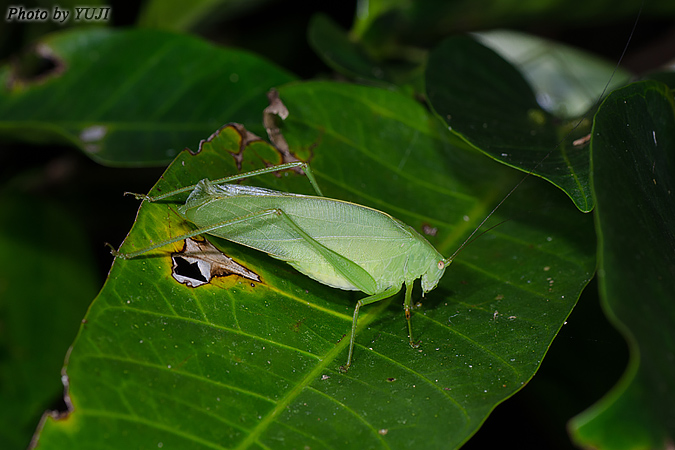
pixel 634 183
pixel 135 97
pixel 488 102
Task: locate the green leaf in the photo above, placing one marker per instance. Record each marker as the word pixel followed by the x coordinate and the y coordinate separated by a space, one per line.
pixel 242 364
pixel 134 97
pixel 47 279
pixel 488 103
pixel 333 45
pixel 351 59
pixel 633 165
pixel 566 80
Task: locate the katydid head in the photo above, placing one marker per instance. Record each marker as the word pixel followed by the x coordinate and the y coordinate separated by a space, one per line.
pixel 434 273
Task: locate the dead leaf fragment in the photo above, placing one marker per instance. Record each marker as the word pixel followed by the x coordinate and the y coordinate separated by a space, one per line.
pixel 200 261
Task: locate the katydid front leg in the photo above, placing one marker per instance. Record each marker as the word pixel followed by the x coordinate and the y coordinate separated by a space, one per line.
pixel 365 301
pixel 407 306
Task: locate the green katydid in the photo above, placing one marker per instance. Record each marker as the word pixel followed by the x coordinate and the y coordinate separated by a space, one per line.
pixel 341 244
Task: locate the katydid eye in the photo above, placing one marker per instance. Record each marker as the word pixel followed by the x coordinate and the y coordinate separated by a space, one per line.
pixel 441 264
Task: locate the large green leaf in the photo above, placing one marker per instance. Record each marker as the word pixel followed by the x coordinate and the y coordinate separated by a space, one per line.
pixel 633 182
pixel 242 364
pixel 134 97
pixel 488 102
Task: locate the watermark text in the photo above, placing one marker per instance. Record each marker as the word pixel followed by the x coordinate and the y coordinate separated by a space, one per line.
pixel 19 13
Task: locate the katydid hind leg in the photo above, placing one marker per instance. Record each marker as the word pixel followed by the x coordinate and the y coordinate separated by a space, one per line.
pixel 365 301
pixel 196 232
pixel 254 173
pixel 303 165
pixel 209 229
